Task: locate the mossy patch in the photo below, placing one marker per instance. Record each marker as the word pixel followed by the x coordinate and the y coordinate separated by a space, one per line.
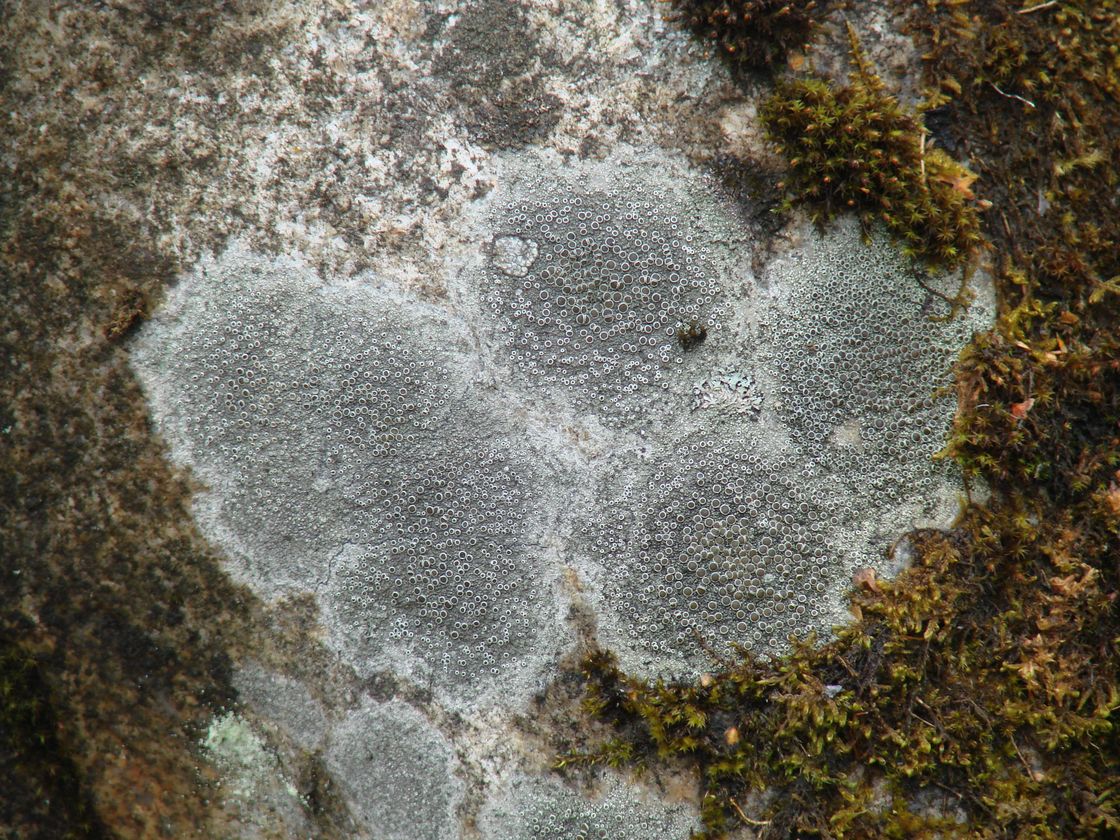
pixel 752 34
pixel 977 694
pixel 978 674
pixel 853 148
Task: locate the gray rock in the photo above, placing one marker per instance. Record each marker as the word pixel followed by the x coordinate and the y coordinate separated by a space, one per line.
pixel 534 809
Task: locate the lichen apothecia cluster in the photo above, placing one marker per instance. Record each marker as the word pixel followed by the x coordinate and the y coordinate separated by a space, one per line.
pixel 418 522
pixel 607 286
pixel 736 533
pixel 351 453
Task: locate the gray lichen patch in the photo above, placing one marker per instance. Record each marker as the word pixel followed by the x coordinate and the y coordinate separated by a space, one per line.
pixel 713 545
pixel 851 335
pixel 347 453
pixel 284 702
pixel 447 576
pixel 252 367
pixel 396 772
pixel 744 527
pixel 528 808
pixel 608 393
pixel 861 351
pixel 595 272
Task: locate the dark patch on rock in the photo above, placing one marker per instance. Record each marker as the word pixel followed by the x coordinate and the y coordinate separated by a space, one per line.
pixel 118 623
pixel 43 795
pixel 941 122
pixel 514 120
pixel 492 64
pixel 325 803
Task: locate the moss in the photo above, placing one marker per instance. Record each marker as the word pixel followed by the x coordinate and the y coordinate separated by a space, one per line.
pixel 1032 98
pixel 978 694
pixel 853 148
pixel 979 673
pixel 752 34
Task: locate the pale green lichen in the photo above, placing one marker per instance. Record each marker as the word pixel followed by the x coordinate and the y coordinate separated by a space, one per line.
pixel 239 753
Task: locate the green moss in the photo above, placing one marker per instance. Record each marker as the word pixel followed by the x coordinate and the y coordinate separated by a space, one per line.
pixel 853 148
pixel 752 34
pixel 978 694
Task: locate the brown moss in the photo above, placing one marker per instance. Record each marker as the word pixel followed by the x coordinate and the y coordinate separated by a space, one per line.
pixel 752 34
pixel 1031 97
pixel 983 672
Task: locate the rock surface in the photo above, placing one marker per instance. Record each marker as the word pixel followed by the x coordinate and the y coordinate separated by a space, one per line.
pixel 475 352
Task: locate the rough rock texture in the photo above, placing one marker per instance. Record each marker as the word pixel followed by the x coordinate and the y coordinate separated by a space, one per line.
pixel 464 347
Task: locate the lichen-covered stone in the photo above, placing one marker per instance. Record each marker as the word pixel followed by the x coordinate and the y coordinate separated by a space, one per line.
pixel 397 773
pixel 434 475
pixel 531 809
pixel 347 454
pixel 318 206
